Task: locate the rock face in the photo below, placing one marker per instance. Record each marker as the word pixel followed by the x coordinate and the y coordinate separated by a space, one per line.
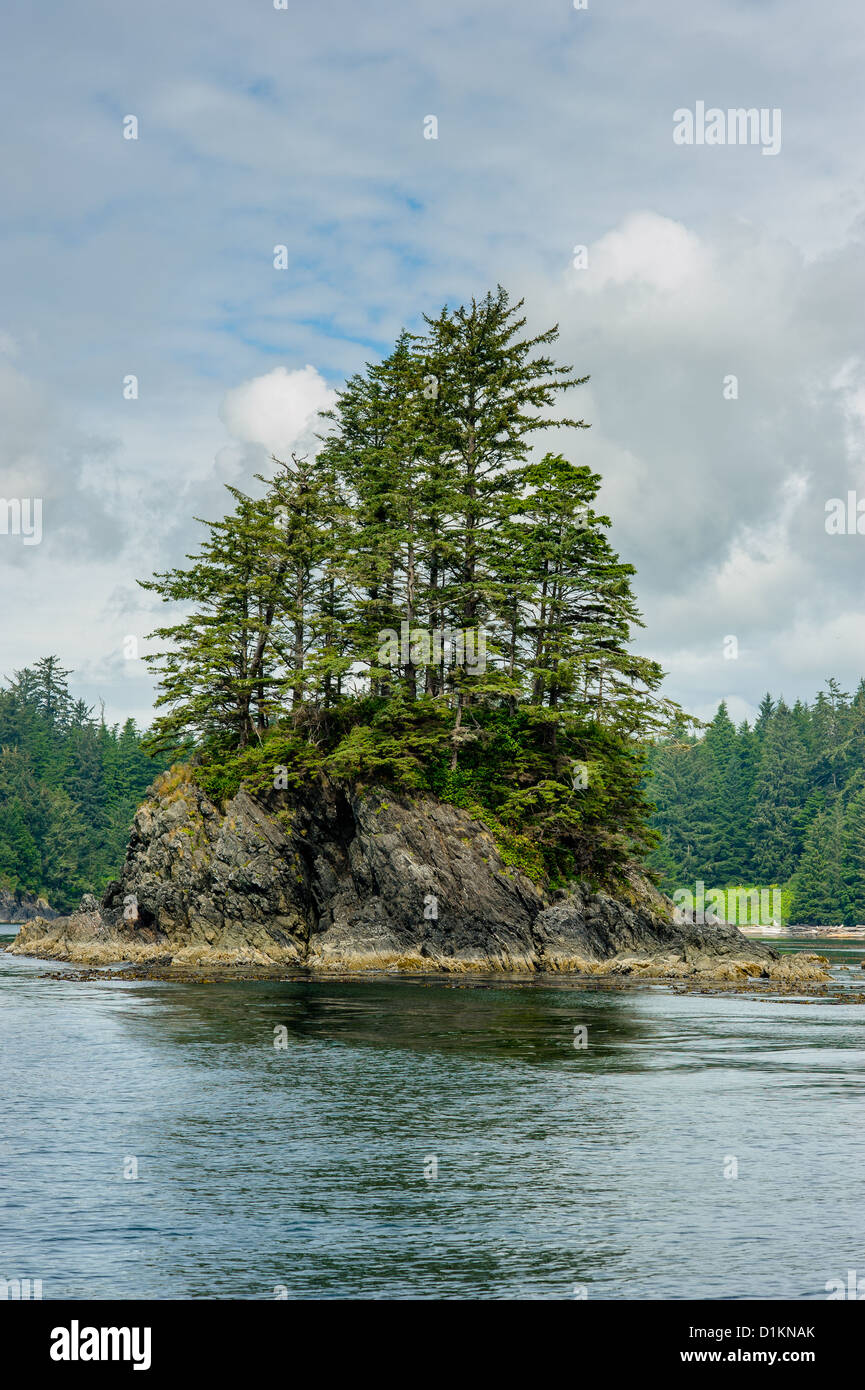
pixel 17 906
pixel 340 880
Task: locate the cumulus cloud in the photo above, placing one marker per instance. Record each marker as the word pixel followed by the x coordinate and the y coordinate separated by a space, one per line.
pixel 718 491
pixel 155 257
pixel 46 456
pixel 647 249
pixel 278 410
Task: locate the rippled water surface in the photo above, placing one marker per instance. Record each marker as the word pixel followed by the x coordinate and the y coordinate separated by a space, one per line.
pixel 303 1166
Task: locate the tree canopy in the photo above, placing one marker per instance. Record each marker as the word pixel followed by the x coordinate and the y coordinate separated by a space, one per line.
pixel 780 803
pixel 427 602
pixel 69 787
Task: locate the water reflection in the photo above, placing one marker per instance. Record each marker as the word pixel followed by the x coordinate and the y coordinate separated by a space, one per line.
pixel 304 1165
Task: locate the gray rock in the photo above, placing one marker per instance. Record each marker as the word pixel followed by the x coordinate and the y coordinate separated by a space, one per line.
pixel 18 906
pixel 344 879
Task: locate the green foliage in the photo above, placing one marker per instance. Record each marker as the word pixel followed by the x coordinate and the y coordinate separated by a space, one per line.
pixel 782 803
pixel 739 894
pixel 427 606
pixel 512 776
pixel 69 787
pixel 819 896
pixel 853 856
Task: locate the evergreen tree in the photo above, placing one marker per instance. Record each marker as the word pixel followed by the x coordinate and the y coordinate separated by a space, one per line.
pixel 831 736
pixel 775 828
pixel 682 787
pixel 434 608
pixel 764 716
pixel 728 799
pixel 758 797
pixel 429 602
pixel 819 898
pixel 65 810
pixel 852 867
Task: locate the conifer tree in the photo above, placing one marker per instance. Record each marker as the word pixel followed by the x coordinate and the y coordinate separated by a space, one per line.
pixel 819 898
pixel 852 867
pixel 772 791
pixel 434 607
pixel 64 813
pixel 682 788
pixel 775 828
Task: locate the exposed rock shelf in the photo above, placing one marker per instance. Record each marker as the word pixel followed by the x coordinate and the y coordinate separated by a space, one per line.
pixel 339 880
pixel 17 906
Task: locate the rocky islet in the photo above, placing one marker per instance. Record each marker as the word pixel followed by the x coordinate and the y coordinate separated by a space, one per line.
pixel 335 878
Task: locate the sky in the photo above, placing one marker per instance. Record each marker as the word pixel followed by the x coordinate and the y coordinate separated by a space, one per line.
pixel 717 306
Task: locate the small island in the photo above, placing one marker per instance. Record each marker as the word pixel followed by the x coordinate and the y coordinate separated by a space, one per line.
pixel 408 725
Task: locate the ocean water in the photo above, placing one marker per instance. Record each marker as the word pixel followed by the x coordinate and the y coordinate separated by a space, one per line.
pixel 420 1139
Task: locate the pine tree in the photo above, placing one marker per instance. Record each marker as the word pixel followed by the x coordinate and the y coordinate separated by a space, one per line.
pixel 831 736
pixel 819 898
pixel 230 665
pixel 728 798
pixel 62 804
pixel 684 791
pixel 775 826
pixel 433 608
pixel 576 610
pixel 493 392
pixel 764 716
pixel 852 867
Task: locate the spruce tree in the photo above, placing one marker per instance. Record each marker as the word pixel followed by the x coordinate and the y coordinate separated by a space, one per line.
pixel 818 897
pixel 852 866
pixel 775 825
pixel 435 607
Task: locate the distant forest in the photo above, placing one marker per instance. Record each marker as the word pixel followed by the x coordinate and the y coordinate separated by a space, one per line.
pixel 429 604
pixel 69 787
pixel 782 803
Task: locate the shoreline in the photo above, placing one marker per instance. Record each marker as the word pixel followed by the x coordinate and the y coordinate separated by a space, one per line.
pixel 818 986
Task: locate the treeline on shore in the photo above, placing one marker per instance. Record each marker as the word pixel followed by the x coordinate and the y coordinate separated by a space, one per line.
pixel 781 802
pixel 433 603
pixel 69 787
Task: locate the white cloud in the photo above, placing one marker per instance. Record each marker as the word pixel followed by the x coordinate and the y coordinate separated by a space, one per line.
pixel 278 410
pixel 155 257
pixel 646 249
pixel 737 708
